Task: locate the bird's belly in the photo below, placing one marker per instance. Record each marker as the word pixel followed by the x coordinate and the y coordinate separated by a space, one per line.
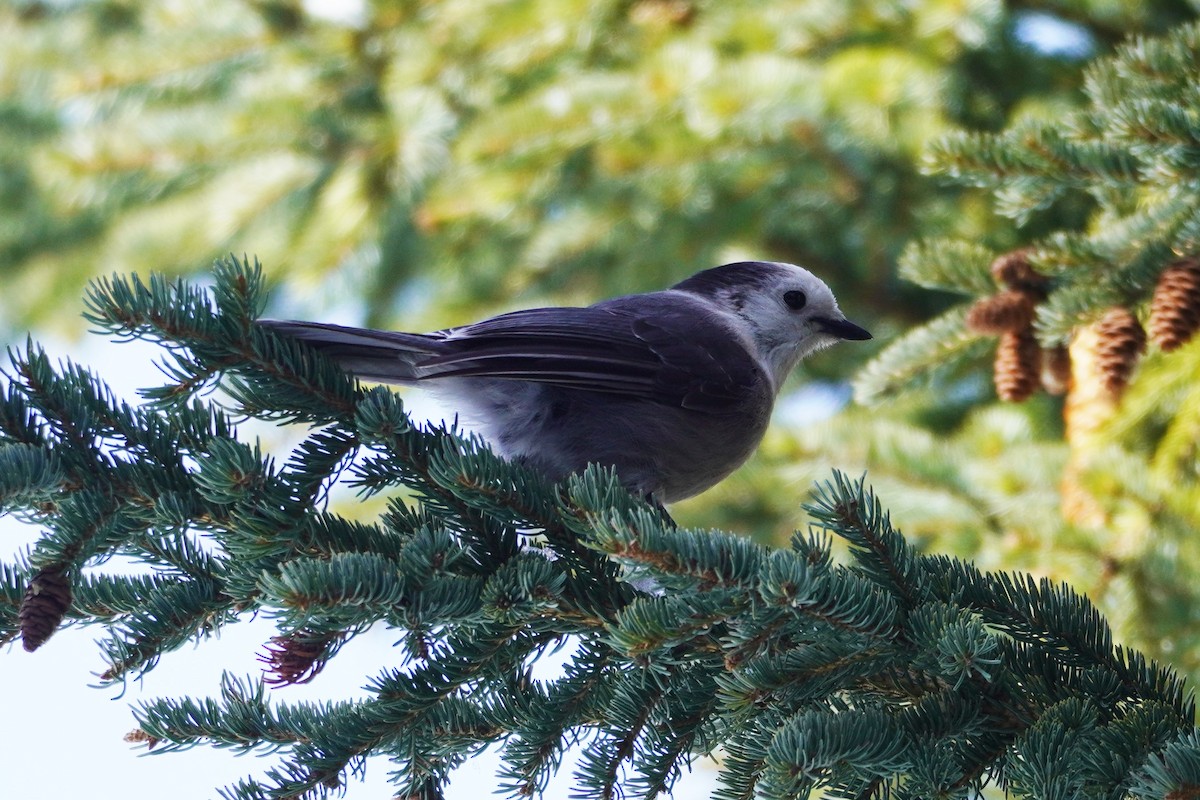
pixel 669 452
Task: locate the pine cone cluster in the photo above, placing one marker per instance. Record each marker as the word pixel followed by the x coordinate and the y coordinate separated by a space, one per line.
pixel 1020 368
pixel 46 600
pixel 1175 309
pixel 1121 343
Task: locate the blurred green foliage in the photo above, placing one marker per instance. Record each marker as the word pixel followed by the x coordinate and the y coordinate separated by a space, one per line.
pixel 485 155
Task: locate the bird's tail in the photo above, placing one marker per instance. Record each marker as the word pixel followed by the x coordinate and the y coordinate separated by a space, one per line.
pixel 386 356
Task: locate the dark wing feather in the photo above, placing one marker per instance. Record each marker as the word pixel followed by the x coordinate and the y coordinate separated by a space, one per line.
pixel 663 349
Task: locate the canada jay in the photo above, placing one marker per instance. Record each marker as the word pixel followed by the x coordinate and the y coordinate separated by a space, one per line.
pixel 672 388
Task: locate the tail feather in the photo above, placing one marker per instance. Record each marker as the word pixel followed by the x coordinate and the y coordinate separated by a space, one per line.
pixel 387 356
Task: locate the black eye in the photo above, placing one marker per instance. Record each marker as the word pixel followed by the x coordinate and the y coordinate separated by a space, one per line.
pixel 795 299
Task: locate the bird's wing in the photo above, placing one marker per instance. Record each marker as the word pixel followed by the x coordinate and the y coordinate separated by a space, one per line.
pixel 668 352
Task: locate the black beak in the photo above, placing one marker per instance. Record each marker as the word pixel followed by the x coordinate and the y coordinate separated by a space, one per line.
pixel 844 329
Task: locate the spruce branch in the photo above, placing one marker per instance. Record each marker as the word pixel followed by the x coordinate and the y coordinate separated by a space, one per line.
pixel 894 673
pixel 935 351
pixel 853 511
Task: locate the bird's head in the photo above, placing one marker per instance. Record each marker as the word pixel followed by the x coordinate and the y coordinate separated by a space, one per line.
pixel 785 310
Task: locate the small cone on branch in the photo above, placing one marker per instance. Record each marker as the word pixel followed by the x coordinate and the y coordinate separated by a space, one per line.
pixel 139 736
pixel 1012 270
pixel 1007 312
pixel 1016 371
pixel 297 657
pixel 46 600
pixel 1056 369
pixel 1120 343
pixel 1175 309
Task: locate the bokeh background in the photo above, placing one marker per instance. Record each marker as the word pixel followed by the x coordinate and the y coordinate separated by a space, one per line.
pixel 422 164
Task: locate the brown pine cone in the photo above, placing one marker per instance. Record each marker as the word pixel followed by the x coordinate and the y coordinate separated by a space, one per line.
pixel 46 600
pixel 1016 369
pixel 297 657
pixel 1175 309
pixel 1012 270
pixel 1056 370
pixel 1121 342
pixel 1007 312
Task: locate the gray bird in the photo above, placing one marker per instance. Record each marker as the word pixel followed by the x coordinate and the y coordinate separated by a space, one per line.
pixel 672 388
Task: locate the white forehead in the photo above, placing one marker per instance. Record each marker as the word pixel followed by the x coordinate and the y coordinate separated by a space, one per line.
pixel 747 279
pixel 790 274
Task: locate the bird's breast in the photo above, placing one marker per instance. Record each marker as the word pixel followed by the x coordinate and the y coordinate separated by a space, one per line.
pixel 668 451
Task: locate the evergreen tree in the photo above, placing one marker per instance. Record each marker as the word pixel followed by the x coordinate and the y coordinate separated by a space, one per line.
pixel 433 153
pixel 896 674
